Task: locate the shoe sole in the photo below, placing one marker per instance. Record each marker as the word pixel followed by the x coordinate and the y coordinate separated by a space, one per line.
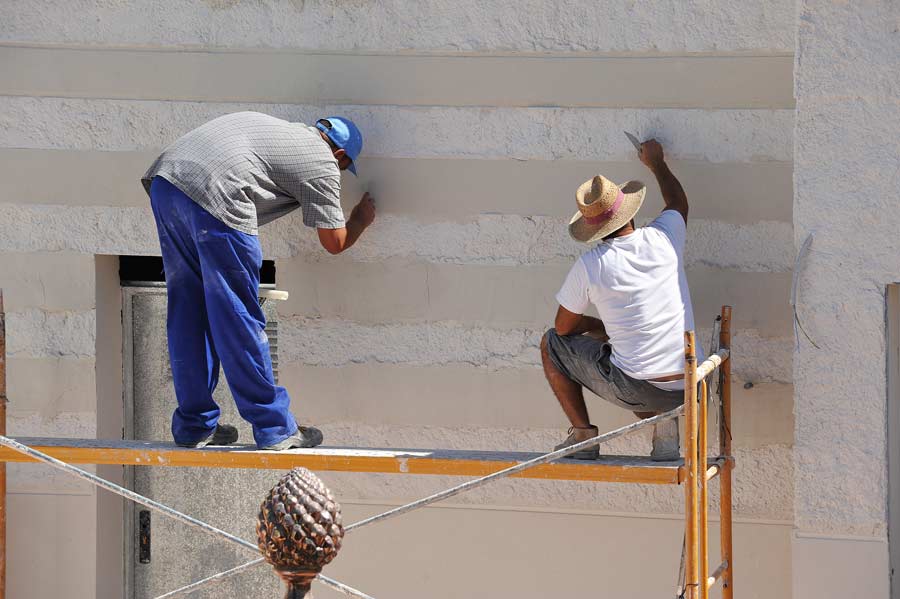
pixel 292 443
pixel 584 454
pixel 199 445
pixel 211 440
pixel 672 458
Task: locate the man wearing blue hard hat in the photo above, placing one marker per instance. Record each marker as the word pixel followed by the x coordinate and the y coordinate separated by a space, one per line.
pixel 210 192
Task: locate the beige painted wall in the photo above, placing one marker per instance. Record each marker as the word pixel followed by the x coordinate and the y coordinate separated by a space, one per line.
pixel 480 121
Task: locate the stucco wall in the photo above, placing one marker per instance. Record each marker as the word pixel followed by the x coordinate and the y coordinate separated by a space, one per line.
pixel 480 121
pixel 847 144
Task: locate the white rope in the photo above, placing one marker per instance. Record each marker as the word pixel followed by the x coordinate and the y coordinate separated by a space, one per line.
pixel 214 579
pixel 154 505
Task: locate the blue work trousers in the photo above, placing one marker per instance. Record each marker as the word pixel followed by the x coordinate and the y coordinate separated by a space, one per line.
pixel 212 278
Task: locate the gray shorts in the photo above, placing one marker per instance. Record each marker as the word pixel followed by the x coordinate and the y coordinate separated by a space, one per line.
pixel 585 360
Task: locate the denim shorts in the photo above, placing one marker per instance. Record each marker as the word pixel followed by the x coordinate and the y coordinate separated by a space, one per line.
pixel 585 360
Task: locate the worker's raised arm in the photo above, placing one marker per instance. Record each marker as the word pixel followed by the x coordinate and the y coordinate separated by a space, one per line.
pixel 673 194
pixel 336 241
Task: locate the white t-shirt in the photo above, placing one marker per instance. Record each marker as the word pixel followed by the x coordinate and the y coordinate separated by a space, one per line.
pixel 638 285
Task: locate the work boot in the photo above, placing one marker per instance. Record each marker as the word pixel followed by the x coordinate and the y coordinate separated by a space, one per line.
pixel 306 436
pixel 577 435
pixel 223 434
pixel 666 445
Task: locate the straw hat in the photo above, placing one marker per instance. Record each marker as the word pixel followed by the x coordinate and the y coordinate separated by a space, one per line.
pixel 604 207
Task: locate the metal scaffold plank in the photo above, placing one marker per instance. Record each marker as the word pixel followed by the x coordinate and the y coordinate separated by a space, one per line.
pixel 619 469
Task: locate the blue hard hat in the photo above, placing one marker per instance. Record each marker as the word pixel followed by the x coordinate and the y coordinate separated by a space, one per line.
pixel 344 134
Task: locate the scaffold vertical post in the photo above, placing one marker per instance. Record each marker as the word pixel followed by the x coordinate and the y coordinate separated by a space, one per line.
pixel 692 583
pixel 703 482
pixel 2 464
pixel 725 450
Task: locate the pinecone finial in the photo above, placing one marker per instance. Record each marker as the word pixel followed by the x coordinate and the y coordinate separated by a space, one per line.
pixel 299 529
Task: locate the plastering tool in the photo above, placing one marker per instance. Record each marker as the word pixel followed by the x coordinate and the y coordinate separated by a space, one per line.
pixel 634 141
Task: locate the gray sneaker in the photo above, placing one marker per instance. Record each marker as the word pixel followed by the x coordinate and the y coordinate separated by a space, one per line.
pixel 666 444
pixel 577 436
pixel 223 434
pixel 306 436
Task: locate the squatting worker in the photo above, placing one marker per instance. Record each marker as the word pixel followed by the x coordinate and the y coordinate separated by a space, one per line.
pixel 210 191
pixel 633 355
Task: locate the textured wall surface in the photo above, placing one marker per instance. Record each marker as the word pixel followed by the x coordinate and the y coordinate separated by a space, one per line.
pixel 847 174
pixel 480 119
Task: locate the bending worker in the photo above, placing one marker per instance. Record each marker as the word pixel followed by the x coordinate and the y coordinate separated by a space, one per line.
pixel 633 355
pixel 210 191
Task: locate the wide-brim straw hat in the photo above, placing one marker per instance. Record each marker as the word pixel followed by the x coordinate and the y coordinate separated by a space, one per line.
pixel 604 208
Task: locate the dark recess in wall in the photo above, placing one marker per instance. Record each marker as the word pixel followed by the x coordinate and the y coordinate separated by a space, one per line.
pixel 149 269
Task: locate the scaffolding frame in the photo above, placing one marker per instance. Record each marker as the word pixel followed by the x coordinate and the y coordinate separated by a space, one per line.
pixel 487 466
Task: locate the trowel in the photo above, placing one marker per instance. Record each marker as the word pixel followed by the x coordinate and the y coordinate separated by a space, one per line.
pixel 634 140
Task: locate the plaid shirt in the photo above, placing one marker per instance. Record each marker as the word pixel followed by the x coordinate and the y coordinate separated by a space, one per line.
pixel 248 168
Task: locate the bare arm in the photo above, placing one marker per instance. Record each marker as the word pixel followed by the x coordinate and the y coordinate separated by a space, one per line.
pixel 336 241
pixel 569 323
pixel 672 192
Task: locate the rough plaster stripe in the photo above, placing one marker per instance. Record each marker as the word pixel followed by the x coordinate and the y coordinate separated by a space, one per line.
pixel 48 281
pixel 335 343
pixel 428 189
pixel 521 133
pixel 39 334
pixel 508 295
pixel 91 230
pixel 468 396
pixel 469 25
pixel 659 82
pixel 762 480
pixel 487 239
pixel 515 240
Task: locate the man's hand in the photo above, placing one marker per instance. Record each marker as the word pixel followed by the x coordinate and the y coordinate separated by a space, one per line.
pixel 651 154
pixel 364 212
pixel 336 241
pixel 673 194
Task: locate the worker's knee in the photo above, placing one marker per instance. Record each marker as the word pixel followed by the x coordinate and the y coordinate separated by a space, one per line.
pixel 545 343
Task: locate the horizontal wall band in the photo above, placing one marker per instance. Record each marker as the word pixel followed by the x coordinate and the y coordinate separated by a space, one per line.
pixel 279 77
pixel 504 295
pixel 469 396
pixel 466 25
pixel 487 240
pixel 338 342
pixel 739 135
pixel 429 189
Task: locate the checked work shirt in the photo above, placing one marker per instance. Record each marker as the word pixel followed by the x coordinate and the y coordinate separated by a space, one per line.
pixel 248 168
